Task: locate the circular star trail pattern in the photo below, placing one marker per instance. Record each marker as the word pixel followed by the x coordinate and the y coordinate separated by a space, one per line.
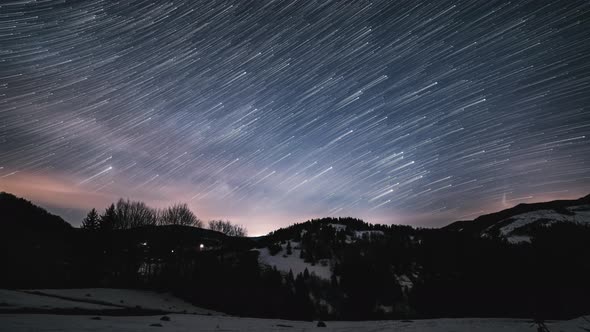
pixel 271 111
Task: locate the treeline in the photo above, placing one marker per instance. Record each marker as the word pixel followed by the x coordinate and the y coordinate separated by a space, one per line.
pixel 365 260
pixel 128 214
pixel 403 272
pixel 376 271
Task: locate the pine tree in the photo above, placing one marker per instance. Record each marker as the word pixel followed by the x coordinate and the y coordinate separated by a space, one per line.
pixel 290 278
pixel 108 220
pixel 334 281
pixel 91 222
pixel 289 250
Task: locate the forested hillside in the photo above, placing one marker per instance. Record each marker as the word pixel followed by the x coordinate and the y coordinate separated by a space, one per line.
pixel 330 268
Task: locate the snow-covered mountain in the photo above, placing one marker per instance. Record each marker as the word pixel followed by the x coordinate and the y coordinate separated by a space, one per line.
pixel 289 254
pixel 520 223
pixel 287 260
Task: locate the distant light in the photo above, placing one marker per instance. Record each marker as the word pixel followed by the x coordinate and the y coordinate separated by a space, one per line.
pixel 172 251
pixel 202 246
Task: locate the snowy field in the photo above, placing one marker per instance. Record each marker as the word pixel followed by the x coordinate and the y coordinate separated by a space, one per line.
pixel 10 299
pixel 130 299
pixel 206 320
pixel 95 299
pixel 285 262
pixel 293 262
pixel 178 322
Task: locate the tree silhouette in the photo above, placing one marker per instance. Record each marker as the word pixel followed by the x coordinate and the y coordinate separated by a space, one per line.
pixel 132 214
pixel 91 222
pixel 108 219
pixel 179 214
pixel 228 228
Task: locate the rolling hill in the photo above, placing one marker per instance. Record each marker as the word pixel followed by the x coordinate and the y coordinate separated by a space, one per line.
pixel 529 261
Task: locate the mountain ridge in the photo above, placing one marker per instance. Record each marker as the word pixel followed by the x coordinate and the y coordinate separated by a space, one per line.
pixel 21 213
pixel 10 203
pixel 329 268
pixel 497 223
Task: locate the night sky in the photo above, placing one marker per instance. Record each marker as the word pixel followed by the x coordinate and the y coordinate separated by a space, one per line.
pixel 272 112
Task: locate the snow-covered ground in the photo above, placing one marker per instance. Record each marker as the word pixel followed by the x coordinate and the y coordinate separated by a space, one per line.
pixel 367 234
pixel 524 219
pixel 129 298
pixel 293 262
pixel 186 323
pixel 405 282
pixel 12 299
pixel 581 214
pixel 284 262
pixel 514 239
pixel 97 299
pixel 17 322
pixel 338 227
pixel 356 234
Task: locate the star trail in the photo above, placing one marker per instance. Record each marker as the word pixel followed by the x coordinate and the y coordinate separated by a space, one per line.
pixel 271 112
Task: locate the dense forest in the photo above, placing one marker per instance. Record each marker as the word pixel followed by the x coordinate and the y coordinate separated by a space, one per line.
pixel 375 271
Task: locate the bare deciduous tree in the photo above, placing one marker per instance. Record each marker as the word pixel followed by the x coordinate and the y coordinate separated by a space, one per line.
pixel 179 214
pixel 227 228
pixel 131 214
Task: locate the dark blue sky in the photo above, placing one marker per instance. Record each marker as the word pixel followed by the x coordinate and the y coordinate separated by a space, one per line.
pixel 268 113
